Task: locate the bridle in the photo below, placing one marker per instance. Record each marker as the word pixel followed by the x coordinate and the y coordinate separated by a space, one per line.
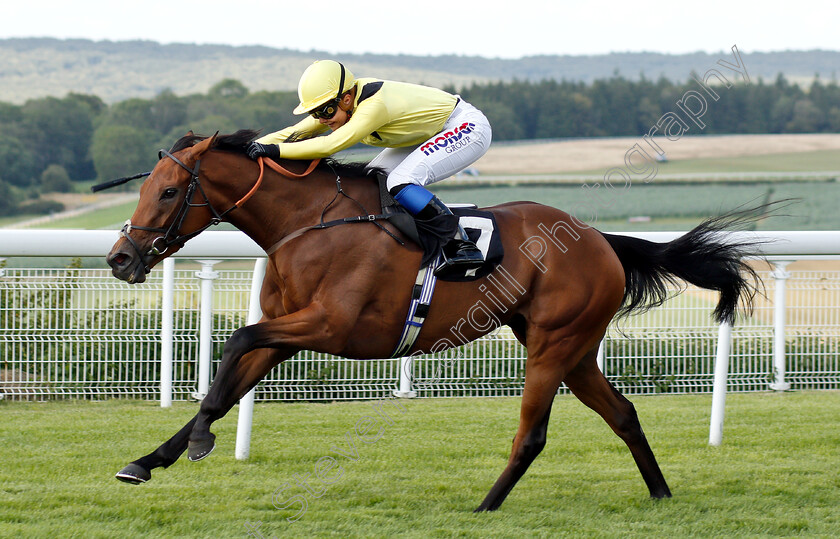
pixel 172 234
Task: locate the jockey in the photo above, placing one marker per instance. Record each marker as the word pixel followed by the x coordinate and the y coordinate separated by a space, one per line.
pixel 428 135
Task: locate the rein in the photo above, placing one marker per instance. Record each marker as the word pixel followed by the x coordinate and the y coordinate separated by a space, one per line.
pixel 277 168
pixel 172 235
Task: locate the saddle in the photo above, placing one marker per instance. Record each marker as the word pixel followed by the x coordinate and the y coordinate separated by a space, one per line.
pixel 432 234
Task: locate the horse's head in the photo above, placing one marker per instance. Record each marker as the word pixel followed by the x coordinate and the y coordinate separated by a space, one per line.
pixel 173 208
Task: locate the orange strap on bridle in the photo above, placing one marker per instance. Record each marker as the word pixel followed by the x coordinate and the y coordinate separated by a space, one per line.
pixel 279 169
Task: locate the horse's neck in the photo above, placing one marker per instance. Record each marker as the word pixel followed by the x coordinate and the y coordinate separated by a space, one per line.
pixel 283 205
pixel 332 197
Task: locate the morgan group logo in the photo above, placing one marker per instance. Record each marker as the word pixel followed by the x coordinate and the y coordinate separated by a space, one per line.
pixel 451 140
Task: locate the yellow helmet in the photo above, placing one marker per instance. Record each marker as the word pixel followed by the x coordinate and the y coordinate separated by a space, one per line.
pixel 322 81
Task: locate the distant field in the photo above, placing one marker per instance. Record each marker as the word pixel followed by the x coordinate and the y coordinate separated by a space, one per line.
pixel 670 207
pixel 110 218
pixel 701 153
pixel 823 160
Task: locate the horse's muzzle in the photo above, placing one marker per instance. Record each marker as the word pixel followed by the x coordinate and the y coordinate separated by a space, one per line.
pixel 126 266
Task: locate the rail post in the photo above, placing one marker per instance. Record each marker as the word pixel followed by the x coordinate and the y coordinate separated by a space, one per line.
pixel 205 330
pixel 600 358
pixel 781 275
pixel 167 332
pixel 246 403
pixel 2 274
pixel 406 374
pixel 724 346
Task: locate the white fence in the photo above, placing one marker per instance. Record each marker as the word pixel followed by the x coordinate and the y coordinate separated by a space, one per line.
pixel 80 333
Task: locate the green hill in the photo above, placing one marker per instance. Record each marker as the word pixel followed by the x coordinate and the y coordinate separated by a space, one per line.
pixel 115 71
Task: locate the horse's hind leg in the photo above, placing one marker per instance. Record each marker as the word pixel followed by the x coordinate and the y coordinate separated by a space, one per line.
pixel 260 362
pixel 590 386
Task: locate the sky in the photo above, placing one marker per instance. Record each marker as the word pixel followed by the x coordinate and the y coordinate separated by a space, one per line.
pixel 500 29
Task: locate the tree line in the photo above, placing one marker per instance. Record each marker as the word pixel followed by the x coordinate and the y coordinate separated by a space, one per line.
pixel 622 107
pixel 48 144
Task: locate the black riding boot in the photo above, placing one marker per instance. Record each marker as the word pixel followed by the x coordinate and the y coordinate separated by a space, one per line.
pixel 460 254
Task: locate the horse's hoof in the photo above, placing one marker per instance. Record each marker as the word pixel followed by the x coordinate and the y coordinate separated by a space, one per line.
pixel 200 449
pixel 134 474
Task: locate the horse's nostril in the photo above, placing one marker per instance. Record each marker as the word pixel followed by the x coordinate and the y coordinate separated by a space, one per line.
pixel 119 259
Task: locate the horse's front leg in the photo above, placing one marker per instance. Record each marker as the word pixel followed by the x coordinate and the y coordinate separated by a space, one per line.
pixel 252 364
pixel 304 329
pixel 164 456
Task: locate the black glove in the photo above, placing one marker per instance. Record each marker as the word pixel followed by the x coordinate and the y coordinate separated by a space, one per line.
pixel 255 150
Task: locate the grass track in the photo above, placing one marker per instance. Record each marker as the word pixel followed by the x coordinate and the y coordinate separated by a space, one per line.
pixel 776 474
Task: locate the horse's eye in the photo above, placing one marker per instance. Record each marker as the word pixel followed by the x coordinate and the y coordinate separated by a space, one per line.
pixel 169 193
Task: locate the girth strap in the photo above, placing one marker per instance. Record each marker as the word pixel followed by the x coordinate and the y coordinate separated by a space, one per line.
pixel 418 309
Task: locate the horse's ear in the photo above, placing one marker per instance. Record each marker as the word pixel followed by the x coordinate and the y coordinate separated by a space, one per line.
pixel 204 145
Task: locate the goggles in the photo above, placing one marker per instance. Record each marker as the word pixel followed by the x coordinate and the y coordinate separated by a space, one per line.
pixel 326 111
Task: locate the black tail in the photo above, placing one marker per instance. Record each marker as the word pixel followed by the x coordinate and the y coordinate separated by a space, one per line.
pixel 701 257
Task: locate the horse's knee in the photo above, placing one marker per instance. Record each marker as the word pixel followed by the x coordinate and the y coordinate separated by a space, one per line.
pixel 530 446
pixel 238 343
pixel 534 447
pixel 209 407
pixel 626 424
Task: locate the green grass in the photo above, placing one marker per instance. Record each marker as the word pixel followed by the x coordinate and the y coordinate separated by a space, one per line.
pixel 6 221
pixel 774 475
pixel 107 218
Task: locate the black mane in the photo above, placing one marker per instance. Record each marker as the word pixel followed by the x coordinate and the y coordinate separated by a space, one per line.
pixel 238 143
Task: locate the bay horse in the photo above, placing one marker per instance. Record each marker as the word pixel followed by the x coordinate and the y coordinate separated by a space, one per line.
pixel 345 290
